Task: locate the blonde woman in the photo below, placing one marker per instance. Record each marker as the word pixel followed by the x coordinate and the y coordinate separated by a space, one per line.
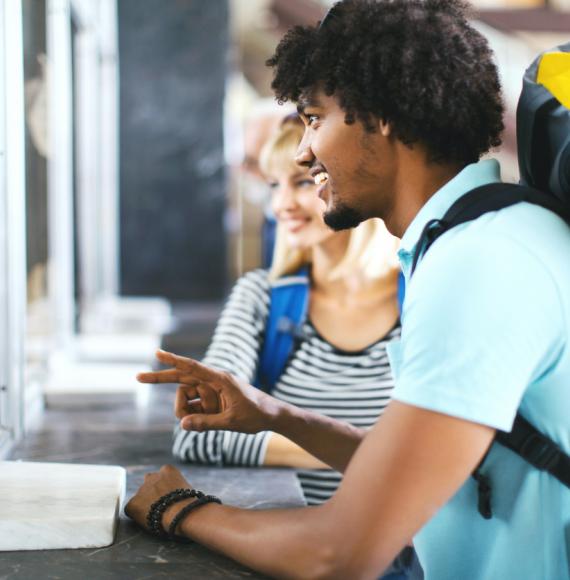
pixel 339 366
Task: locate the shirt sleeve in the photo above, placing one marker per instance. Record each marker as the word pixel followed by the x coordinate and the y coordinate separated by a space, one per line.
pixel 220 447
pixel 240 330
pixel 483 320
pixel 234 348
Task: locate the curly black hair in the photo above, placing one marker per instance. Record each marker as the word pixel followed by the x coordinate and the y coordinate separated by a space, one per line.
pixel 417 64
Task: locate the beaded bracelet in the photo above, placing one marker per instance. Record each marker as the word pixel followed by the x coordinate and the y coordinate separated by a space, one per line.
pixel 157 509
pixel 181 515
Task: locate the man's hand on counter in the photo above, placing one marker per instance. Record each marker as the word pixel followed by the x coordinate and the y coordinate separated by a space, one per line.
pixel 155 486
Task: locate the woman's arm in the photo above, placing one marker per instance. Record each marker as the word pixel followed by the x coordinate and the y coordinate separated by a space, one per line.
pixel 282 452
pixel 201 448
pixel 409 465
pixel 241 449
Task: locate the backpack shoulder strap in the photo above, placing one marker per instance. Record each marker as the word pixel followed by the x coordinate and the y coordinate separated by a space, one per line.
pixel 482 200
pixel 540 451
pixel 401 292
pixel 288 306
pixel 535 448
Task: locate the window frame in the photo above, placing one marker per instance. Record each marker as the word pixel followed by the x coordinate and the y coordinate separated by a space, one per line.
pixel 12 224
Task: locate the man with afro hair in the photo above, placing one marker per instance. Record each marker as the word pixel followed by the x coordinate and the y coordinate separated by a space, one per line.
pixel 400 99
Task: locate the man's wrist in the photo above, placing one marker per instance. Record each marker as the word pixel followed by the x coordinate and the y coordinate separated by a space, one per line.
pixel 200 518
pixel 185 525
pixel 172 510
pixel 284 419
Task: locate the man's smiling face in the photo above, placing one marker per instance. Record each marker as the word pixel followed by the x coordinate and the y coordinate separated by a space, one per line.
pixel 354 168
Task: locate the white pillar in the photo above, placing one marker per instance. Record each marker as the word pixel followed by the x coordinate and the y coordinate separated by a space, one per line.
pixel 109 139
pixel 88 151
pixel 60 171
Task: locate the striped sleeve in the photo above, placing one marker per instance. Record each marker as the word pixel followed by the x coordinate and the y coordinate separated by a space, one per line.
pixel 202 448
pixel 220 447
pixel 244 449
pixel 239 333
pixel 234 348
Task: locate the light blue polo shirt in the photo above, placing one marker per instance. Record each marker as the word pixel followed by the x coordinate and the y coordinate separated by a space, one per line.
pixel 486 326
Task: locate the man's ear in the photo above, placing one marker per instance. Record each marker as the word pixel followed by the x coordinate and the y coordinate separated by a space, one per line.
pixel 385 128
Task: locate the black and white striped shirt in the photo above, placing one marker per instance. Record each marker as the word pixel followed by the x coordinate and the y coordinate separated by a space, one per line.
pixel 350 386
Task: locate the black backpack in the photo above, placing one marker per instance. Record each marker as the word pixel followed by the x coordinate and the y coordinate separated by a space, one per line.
pixel 543 139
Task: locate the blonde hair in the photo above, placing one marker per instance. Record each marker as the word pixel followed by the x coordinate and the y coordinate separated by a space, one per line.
pixel 371 251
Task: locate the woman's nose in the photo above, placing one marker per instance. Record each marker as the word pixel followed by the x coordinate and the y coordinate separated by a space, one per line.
pixel 283 199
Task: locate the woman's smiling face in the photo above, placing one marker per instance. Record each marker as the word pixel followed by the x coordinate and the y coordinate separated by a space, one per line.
pixel 297 207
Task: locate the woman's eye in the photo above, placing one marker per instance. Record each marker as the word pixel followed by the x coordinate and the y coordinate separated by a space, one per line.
pixel 305 182
pixel 311 119
pixel 272 185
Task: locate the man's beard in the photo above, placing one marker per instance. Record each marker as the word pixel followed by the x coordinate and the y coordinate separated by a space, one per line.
pixel 341 217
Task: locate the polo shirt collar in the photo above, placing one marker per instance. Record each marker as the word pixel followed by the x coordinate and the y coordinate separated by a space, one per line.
pixel 470 177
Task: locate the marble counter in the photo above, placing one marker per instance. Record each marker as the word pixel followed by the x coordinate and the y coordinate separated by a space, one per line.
pixel 113 433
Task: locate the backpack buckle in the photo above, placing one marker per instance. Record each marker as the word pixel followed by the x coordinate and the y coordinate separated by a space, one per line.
pixel 287 326
pixel 539 451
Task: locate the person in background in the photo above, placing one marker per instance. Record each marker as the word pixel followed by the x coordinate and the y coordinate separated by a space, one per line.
pixel 353 285
pixel 262 122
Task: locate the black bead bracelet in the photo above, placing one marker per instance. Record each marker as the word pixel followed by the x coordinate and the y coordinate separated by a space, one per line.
pixel 157 509
pixel 181 515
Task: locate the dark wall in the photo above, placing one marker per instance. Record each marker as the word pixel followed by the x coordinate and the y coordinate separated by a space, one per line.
pixel 172 186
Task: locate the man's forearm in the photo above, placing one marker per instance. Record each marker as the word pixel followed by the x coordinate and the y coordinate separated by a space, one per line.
pixel 279 543
pixel 408 466
pixel 332 441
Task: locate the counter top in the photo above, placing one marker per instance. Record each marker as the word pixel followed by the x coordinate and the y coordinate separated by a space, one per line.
pixel 139 440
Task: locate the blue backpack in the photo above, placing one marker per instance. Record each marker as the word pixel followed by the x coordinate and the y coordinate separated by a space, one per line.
pixel 289 302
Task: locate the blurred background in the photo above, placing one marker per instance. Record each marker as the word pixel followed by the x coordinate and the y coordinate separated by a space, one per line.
pixel 129 193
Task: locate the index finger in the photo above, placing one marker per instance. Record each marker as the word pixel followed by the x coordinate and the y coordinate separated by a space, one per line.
pixel 166 376
pixel 188 365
